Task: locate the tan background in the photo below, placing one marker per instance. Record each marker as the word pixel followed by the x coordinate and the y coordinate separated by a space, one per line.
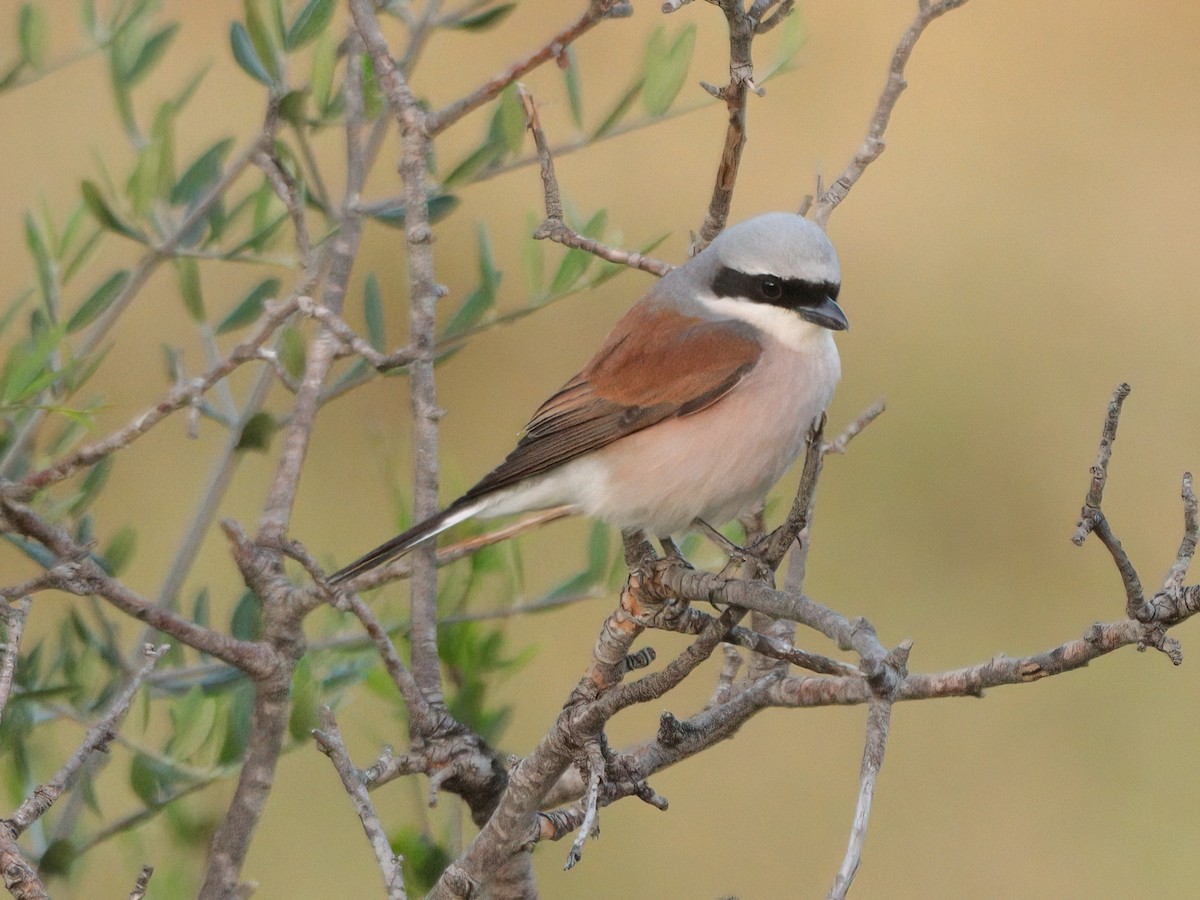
pixel 1027 241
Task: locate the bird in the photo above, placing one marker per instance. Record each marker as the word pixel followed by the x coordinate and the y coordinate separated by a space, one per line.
pixel 696 404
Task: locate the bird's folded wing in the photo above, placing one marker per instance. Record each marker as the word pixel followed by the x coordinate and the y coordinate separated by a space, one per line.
pixel 654 366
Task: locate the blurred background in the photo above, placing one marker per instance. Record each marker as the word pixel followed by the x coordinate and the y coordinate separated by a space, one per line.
pixel 1027 241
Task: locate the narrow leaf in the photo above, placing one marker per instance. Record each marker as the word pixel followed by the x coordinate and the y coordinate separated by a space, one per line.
pixel 188 273
pixel 150 53
pixel 99 300
pixel 666 69
pixel 33 33
pixel 310 23
pixel 245 54
pixel 119 551
pixel 373 313
pixel 613 119
pixel 306 698
pixel 201 174
pixel 574 87
pixel 250 308
pixel 508 122
pixel 261 39
pixel 489 18
pixel 41 259
pixel 292 351
pixel 99 208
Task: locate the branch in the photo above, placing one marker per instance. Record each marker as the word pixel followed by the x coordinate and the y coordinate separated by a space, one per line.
pixel 873 145
pixel 77 573
pixel 439 121
pixel 742 24
pixel 554 226
pixel 329 741
pixel 14 616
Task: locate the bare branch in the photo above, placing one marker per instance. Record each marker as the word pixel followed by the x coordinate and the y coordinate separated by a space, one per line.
pixel 1091 513
pixel 415 132
pixel 142 884
pixel 329 741
pixel 873 145
pixel 554 226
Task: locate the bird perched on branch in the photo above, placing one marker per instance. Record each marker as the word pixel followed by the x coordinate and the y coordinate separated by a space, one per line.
pixel 695 405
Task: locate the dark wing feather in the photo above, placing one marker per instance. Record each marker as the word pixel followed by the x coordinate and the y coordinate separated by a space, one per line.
pixel 675 365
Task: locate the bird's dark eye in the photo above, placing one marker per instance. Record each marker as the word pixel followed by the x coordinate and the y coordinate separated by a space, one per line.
pixel 771 288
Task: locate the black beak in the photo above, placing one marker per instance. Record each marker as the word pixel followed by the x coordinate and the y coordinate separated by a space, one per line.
pixel 827 314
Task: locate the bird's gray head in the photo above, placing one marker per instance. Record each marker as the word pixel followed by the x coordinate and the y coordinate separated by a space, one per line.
pixel 778 259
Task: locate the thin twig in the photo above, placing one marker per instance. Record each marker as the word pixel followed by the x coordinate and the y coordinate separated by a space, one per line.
pixel 873 144
pixel 439 121
pixel 554 226
pixel 329 741
pixel 142 884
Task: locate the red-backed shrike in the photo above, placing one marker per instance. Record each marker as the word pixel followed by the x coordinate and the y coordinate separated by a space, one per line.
pixel 697 403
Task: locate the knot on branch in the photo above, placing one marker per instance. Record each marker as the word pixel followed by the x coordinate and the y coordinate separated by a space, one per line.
pixel 672 731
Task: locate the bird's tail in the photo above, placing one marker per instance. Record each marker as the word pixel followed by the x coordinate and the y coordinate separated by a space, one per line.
pixel 402 543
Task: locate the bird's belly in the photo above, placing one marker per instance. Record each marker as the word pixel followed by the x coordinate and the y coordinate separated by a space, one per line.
pixel 713 464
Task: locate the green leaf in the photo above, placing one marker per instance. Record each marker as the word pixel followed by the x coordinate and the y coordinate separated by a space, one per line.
pixel 507 127
pixel 100 300
pixel 93 483
pixel 151 52
pixel 120 550
pixel 392 214
pixel 246 623
pixel 33 33
pixel 424 859
pixel 576 262
pixel 145 781
pixel 188 272
pixel 293 107
pixel 481 159
pixel 237 731
pixel 306 700
pixel 28 368
pixel 483 298
pixel 251 307
pixel 613 119
pixel 262 40
pixel 310 23
pixel 256 433
pixel 598 551
pixel 489 18
pixel 574 87
pixel 58 858
pixel 41 259
pixel 324 61
pixel 201 174
pixel 99 208
pixel 193 717
pixel 245 54
pixel 292 351
pixel 666 68
pixel 373 313
pixel 792 36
